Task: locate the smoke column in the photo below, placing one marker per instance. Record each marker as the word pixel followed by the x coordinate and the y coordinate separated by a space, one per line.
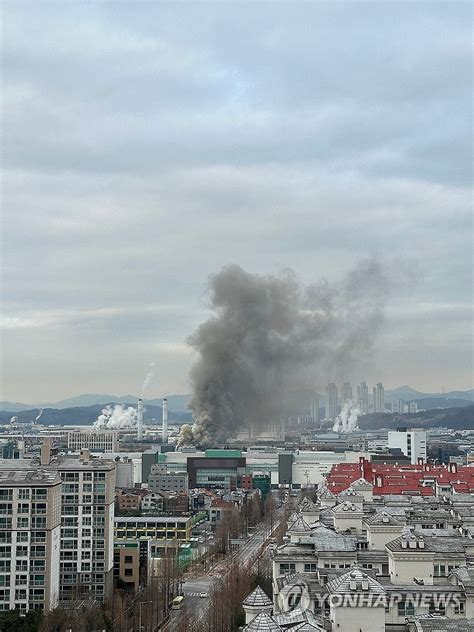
pixel 38 416
pixel 346 421
pixel 265 333
pixel 116 418
pixel 150 376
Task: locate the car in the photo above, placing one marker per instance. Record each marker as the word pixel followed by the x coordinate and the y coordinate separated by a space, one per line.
pixel 203 595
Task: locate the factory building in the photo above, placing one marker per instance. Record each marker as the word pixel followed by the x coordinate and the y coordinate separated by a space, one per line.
pixel 94 440
pixel 217 469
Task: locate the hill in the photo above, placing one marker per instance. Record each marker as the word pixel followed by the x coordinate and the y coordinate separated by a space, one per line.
pixel 83 415
pixel 457 418
pixel 176 403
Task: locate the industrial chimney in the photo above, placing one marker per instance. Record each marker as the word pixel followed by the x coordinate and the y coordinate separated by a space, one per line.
pixel 140 419
pixel 164 438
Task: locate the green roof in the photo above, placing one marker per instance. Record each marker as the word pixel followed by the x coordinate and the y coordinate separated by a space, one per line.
pixel 222 454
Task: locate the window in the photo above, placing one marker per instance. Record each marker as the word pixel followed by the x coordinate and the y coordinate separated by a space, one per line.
pixel 287 567
pixel 128 559
pixel 405 609
pixel 23 494
pixel 129 572
pixel 22 523
pixel 23 508
pixel 459 608
pixel 310 568
pixel 439 570
pixel 22 536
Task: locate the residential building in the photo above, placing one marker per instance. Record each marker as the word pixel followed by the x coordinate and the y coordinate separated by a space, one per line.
pixel 331 401
pixel 314 412
pixel 379 398
pixel 160 479
pixel 356 561
pixel 346 392
pixel 30 529
pixel 87 510
pixel 363 397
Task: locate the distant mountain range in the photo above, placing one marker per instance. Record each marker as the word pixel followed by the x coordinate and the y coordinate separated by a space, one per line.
pixel 410 394
pixel 84 415
pixel 178 403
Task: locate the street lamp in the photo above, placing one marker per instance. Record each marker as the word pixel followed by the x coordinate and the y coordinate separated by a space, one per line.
pixel 140 614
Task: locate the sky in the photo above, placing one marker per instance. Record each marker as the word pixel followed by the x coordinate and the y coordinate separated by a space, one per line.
pixel 148 144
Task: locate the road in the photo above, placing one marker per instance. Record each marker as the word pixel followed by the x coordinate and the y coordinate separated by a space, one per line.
pixel 248 553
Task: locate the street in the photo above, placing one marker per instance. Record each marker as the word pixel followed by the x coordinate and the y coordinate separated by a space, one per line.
pixel 248 553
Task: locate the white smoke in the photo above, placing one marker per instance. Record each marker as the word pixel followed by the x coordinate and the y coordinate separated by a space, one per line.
pixel 346 421
pixel 38 415
pixel 150 376
pixel 14 419
pixel 116 418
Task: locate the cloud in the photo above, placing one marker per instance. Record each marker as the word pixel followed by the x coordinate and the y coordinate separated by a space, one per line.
pixel 147 146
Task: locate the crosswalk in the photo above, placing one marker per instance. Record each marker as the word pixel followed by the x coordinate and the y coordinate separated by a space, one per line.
pixel 192 594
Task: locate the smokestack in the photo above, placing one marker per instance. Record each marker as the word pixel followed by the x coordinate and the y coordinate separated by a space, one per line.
pixel 140 419
pixel 164 438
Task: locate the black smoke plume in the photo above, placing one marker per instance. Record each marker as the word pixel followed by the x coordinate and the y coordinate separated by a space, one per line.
pixel 265 333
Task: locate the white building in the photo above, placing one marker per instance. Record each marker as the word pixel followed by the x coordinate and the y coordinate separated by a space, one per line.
pixel 94 440
pixel 86 515
pixel 30 525
pixel 411 442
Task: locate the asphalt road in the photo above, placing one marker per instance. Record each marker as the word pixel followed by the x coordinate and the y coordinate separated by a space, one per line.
pixel 250 550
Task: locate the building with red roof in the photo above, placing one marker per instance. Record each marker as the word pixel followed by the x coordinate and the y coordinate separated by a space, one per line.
pixel 422 479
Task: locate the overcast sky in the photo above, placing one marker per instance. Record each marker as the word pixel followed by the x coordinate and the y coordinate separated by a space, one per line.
pixel 146 145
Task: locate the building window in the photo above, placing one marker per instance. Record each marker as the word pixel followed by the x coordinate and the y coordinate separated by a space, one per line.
pixel 405 609
pixel 310 568
pixel 129 572
pixel 287 567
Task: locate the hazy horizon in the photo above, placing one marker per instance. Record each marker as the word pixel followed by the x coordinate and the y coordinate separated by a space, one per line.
pixel 146 146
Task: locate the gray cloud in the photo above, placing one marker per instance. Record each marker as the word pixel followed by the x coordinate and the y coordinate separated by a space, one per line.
pixel 147 146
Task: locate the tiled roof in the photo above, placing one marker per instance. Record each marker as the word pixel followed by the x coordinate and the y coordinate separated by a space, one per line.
pixel 346 508
pixel 262 623
pixel 402 478
pixel 466 576
pixel 361 483
pixel 430 623
pixel 383 518
pixel 299 526
pixel 355 581
pixel 259 598
pixel 297 617
pixel 309 507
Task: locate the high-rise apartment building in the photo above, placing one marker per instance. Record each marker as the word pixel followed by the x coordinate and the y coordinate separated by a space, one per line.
pixel 363 397
pixel 30 524
pixel 331 401
pixel 379 398
pixel 346 392
pixel 314 413
pixel 86 520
